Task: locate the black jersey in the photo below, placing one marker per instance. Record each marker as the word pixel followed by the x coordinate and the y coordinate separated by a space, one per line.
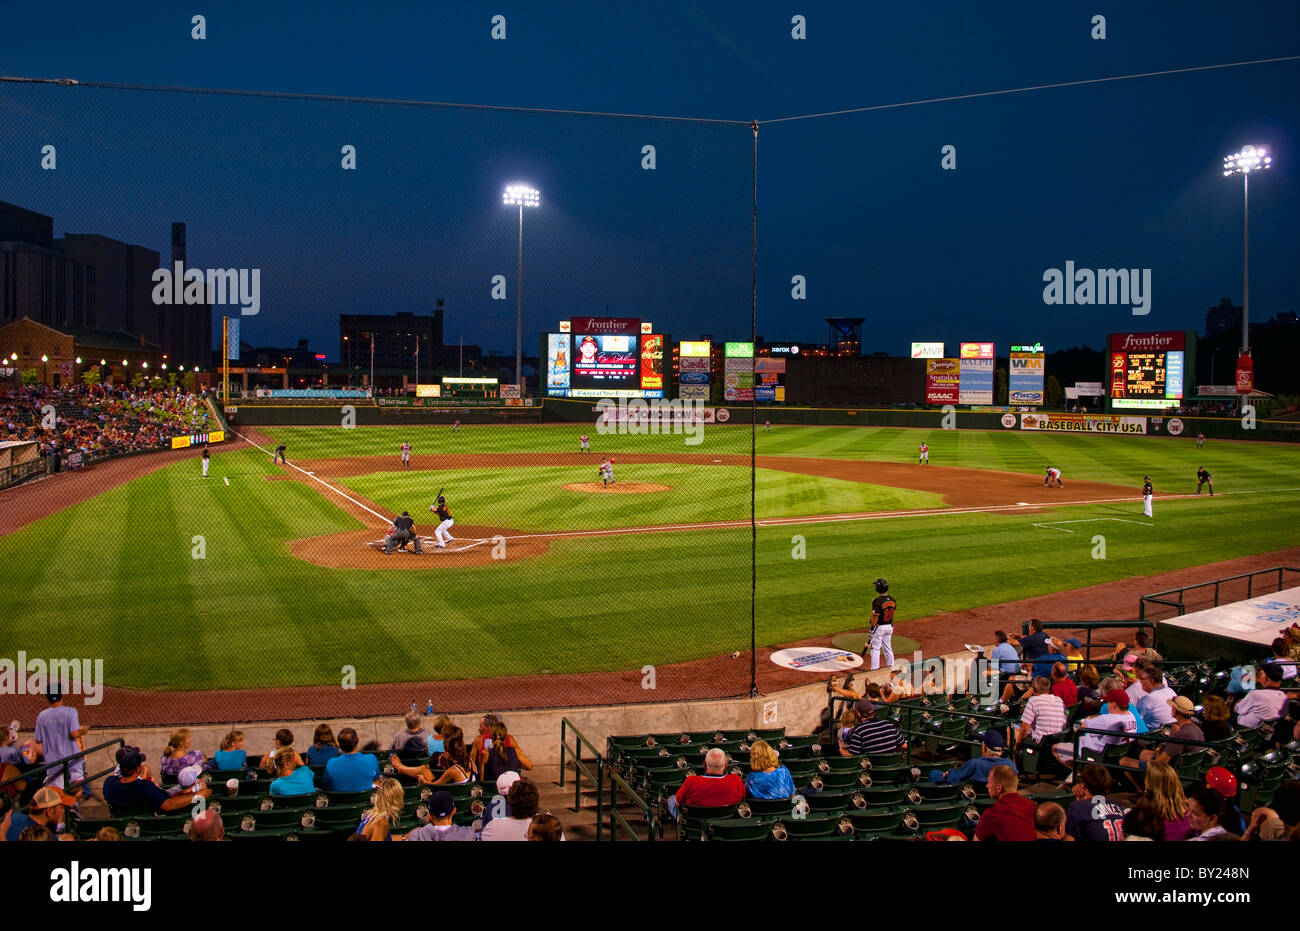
pixel 882 609
pixel 443 512
pixel 1202 475
pixel 404 523
pixel 1147 489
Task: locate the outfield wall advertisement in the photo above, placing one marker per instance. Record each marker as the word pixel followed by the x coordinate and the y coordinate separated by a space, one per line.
pixel 1080 423
pixel 1027 378
pixel 943 381
pixel 976 380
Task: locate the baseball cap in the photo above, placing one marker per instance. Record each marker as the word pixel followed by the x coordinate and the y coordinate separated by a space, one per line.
pixel 1182 704
pixel 1074 642
pixel 48 797
pixel 1221 781
pixel 865 708
pixel 441 804
pixel 506 780
pixel 189 775
pixel 1273 671
pixel 994 740
pixel 54 691
pixel 1117 699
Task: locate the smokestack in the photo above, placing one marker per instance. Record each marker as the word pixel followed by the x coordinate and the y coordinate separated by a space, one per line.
pixel 178 243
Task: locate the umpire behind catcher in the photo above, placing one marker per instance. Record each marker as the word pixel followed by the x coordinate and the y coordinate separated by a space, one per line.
pixel 403 532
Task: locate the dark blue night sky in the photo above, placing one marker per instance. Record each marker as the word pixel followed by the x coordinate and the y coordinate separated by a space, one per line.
pixel 1122 174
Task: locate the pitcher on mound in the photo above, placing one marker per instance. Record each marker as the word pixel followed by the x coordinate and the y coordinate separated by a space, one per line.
pixel 444 516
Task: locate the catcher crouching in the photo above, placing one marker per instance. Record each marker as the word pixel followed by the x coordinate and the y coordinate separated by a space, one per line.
pixel 400 534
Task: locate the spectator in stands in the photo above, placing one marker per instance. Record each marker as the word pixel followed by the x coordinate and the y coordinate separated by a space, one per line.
pixel 1116 684
pixel 1164 789
pixel 36 832
pixel 45 811
pixel 324 747
pixel 484 738
pixel 1143 823
pixel 440 727
pixel 455 763
pixel 208 827
pixel 1117 719
pixel 1205 807
pixel 546 827
pixel 871 735
pixel 57 737
pixel 848 721
pixel 1185 726
pixel 1063 686
pixel 715 789
pixel 1045 663
pixel 524 804
pixel 377 822
pixel 1284 729
pixel 134 787
pixel 1049 822
pixel 178 754
pixel 350 771
pixel 1011 816
pixel 232 754
pixel 1266 702
pixel 1221 780
pixel 1004 655
pixel 1089 683
pixel 1141 649
pixel 439 824
pixel 1279 820
pixel 768 779
pixel 1155 697
pixel 1043 716
pixel 977 769
pixel 1215 718
pixel 1091 817
pixel 1282 657
pixel 1074 653
pixel 294 778
pixel 501 757
pixel 1292 637
pixel 283 738
pixel 108 834
pixel 415 738
pixel 1035 643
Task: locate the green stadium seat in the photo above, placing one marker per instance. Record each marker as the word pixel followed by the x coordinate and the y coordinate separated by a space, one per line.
pixel 349 798
pixel 875 821
pixel 765 807
pixel 813 825
pixel 884 794
pixel 848 779
pixel 834 801
pixel 691 819
pixel 737 829
pixel 939 815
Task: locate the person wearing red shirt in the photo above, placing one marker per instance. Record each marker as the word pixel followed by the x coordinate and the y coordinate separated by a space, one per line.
pixel 1062 686
pixel 1012 815
pixel 715 789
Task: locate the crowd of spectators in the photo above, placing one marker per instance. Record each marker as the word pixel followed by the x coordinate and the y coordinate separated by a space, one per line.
pixel 100 421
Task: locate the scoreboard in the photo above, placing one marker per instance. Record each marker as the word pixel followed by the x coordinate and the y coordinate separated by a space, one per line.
pixel 1147 369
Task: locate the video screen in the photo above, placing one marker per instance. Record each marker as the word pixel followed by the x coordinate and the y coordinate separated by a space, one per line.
pixel 602 361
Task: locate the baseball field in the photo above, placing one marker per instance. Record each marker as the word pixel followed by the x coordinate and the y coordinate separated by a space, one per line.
pixel 264 574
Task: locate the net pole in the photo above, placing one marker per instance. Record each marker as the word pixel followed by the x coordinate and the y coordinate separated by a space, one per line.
pixel 753 436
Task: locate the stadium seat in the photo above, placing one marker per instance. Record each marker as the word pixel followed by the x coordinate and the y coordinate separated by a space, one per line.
pixel 848 779
pixel 764 807
pixel 691 819
pixel 875 821
pixel 813 825
pixel 349 798
pixel 737 829
pixel 884 794
pixel 933 817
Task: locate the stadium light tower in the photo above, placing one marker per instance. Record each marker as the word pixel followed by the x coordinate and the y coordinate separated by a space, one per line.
pixel 520 195
pixel 1250 158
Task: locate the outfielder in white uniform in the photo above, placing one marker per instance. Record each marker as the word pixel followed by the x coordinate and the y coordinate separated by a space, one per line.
pixel 441 533
pixel 586 444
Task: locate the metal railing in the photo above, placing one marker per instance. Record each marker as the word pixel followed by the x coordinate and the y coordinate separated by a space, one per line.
pixel 1228 746
pixel 1158 598
pixel 1088 627
pixel 38 772
pixel 616 818
pixel 580 768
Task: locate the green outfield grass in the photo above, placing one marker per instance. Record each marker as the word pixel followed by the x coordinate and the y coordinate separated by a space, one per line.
pixel 115 577
pixel 535 498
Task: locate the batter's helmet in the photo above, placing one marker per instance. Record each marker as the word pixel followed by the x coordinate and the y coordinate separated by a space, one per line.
pixel 441 499
pixel 881 586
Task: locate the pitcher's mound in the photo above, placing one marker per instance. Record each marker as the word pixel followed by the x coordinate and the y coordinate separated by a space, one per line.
pixel 618 488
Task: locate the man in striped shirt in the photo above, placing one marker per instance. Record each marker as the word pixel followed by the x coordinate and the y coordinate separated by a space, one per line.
pixel 871 735
pixel 1044 713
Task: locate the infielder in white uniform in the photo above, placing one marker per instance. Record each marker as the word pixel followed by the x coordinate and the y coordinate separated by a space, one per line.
pixel 1147 494
pixel 1053 475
